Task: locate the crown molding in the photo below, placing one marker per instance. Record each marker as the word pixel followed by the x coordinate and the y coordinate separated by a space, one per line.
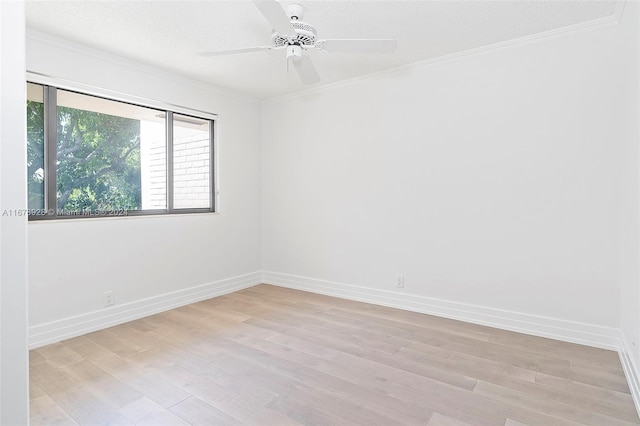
pixel 594 24
pixel 139 67
pixel 607 21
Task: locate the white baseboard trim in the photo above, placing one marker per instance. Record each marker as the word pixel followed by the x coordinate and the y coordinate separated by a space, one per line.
pixel 554 328
pixel 575 332
pixel 66 328
pixel 631 371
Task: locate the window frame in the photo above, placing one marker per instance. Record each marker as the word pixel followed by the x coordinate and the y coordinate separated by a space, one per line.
pixel 50 87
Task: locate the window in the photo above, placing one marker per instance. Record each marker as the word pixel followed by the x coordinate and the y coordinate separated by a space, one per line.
pixel 88 156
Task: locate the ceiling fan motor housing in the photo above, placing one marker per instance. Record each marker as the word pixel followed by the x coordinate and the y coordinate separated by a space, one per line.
pixel 306 35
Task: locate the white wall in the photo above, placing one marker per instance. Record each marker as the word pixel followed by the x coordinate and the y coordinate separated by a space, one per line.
pixel 629 207
pixel 14 373
pixel 490 181
pixel 73 262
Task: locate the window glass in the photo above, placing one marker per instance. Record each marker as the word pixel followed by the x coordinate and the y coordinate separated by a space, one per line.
pixel 35 147
pixel 191 162
pixel 89 156
pixel 99 155
pixel 153 163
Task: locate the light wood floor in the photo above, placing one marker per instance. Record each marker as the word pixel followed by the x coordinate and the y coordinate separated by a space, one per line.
pixel 273 356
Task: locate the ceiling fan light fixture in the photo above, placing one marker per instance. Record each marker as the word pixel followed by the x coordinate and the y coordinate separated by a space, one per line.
pixel 294 52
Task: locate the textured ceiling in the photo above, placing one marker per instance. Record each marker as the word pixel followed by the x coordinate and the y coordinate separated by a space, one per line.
pixel 167 34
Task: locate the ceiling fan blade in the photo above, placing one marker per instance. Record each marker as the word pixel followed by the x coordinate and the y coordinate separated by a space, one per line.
pixel 358 46
pixel 234 51
pixel 306 70
pixel 275 14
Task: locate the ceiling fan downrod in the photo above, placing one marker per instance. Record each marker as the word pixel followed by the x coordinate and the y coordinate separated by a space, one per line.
pixel 295 12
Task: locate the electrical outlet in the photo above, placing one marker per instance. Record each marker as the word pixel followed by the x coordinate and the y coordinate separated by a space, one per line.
pixel 399 281
pixel 108 298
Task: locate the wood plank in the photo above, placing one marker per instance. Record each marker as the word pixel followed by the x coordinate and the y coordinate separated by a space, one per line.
pixel 300 367
pixel 44 411
pixel 548 405
pixel 101 384
pixel 198 413
pixel 145 412
pixel 511 422
pixel 144 380
pixel 441 420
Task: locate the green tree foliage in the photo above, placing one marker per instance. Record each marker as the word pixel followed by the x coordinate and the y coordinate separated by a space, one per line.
pixel 35 157
pixel 98 157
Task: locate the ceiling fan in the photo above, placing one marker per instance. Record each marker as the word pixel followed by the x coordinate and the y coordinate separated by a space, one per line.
pixel 291 34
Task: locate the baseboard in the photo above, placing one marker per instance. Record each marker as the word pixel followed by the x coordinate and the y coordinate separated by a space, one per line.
pixel 67 328
pixel 554 328
pixel 575 332
pixel 631 371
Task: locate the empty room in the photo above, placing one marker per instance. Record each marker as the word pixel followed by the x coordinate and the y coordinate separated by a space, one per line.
pixel 320 212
